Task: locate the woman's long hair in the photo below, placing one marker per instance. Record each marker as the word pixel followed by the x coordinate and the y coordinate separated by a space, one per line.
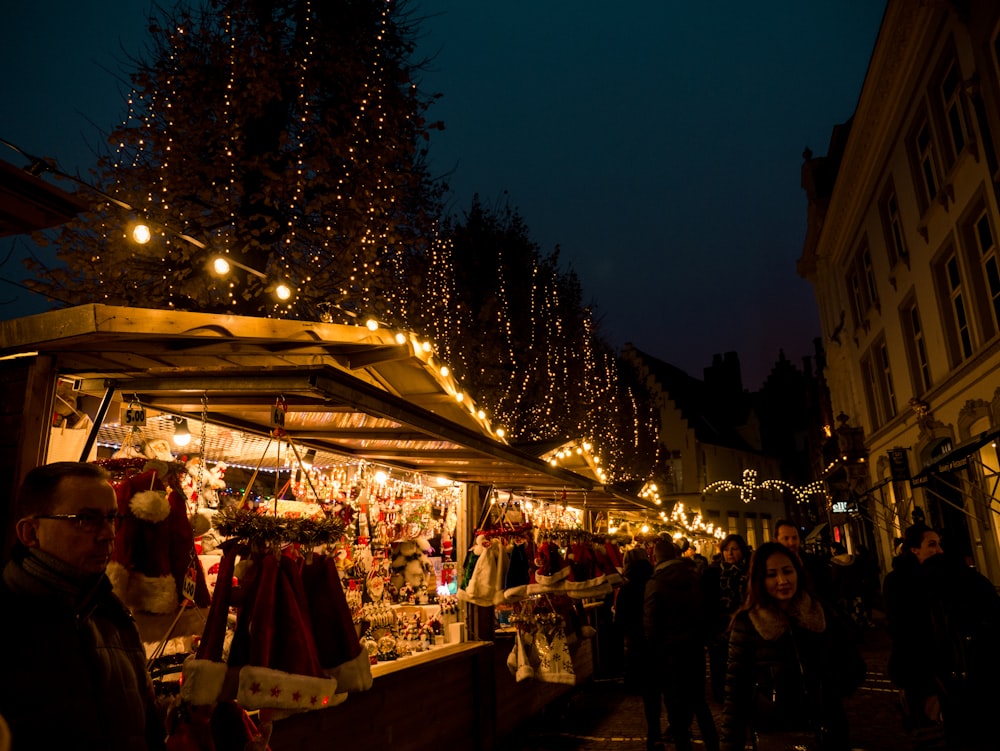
pixel 757 595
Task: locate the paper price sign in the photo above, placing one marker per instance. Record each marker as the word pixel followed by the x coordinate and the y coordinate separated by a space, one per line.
pixel 133 416
pixel 278 416
pixel 190 585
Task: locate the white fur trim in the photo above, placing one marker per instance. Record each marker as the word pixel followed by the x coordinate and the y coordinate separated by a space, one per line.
pixel 118 575
pixel 520 592
pixel 202 680
pixel 152 594
pixel 150 505
pixel 264 688
pixel 553 579
pixel 353 675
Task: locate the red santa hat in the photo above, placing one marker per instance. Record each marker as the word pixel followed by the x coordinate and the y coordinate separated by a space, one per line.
pixel 340 651
pixel 273 651
pixel 153 546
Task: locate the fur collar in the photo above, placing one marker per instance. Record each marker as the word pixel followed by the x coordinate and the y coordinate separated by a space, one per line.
pixel 772 622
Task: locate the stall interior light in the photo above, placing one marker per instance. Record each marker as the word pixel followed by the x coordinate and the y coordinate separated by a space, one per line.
pixel 182 434
pixel 309 459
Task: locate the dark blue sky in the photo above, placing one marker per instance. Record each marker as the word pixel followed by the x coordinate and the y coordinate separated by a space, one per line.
pixel 657 143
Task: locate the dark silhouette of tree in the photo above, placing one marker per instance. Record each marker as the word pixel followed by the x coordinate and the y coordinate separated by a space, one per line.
pixel 289 137
pixel 520 330
pixel 286 135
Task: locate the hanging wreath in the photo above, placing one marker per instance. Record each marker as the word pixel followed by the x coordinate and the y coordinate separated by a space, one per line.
pixel 245 525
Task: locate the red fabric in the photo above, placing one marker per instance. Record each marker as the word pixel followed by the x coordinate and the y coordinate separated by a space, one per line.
pixel 180 547
pixel 273 629
pixel 140 546
pixel 213 638
pixel 336 638
pixel 155 549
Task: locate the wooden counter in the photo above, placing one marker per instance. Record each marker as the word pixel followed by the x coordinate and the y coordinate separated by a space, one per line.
pixel 444 698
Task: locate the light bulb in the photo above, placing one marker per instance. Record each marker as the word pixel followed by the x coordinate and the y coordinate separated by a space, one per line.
pixel 141 233
pixel 283 291
pixel 221 266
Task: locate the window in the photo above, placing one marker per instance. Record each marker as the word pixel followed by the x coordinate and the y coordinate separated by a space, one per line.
pixel 924 160
pixel 987 256
pixel 861 285
pixel 765 527
pixel 871 289
pixel 880 393
pixel 955 310
pixel 892 226
pixel 913 333
pixel 885 379
pixel 950 96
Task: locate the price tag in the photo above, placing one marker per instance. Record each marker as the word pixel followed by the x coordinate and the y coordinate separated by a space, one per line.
pixel 133 416
pixel 190 585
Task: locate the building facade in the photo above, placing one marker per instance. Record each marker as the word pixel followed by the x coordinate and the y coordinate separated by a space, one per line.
pixel 713 456
pixel 902 252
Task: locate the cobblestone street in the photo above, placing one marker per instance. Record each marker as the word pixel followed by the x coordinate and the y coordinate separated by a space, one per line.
pixel 600 715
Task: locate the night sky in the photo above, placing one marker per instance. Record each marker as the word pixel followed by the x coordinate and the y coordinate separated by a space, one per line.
pixel 658 144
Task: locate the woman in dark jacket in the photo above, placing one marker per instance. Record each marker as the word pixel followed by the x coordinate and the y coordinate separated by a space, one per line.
pixel 636 569
pixel 725 587
pixel 790 663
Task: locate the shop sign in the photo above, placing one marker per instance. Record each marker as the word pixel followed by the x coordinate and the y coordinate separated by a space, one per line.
pixel 899 467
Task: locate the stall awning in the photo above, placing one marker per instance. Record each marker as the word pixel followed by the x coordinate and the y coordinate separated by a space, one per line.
pixel 349 392
pixel 957 458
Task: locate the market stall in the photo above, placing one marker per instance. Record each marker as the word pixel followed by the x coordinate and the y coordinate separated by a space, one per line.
pixel 349 475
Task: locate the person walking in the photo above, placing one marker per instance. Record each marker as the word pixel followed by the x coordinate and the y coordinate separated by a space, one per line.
pixel 943 617
pixel 74 669
pixel 676 627
pixel 725 586
pixel 790 662
pixel 629 604
pixel 817 569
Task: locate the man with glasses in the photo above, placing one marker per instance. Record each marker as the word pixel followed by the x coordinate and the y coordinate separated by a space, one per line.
pixel 73 665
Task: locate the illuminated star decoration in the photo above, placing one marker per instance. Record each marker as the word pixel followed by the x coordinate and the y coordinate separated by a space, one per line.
pixel 748 489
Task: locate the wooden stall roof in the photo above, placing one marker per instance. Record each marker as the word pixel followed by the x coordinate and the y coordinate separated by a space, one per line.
pixel 351 393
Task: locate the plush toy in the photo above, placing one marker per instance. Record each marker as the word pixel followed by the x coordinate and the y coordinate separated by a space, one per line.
pixel 202 485
pixel 410 565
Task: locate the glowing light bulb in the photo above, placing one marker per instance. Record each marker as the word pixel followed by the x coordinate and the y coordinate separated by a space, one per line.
pixel 444 371
pixel 221 266
pixel 141 233
pixel 372 324
pixel 283 291
pixel 400 338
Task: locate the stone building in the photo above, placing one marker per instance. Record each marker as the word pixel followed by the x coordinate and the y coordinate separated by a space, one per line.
pixel 902 252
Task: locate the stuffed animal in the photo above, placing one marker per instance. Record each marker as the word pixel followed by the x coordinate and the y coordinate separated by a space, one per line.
pixel 410 565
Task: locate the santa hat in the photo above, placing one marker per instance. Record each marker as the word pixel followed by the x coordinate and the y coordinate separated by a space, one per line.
pixel 340 651
pixel 153 546
pixel 273 659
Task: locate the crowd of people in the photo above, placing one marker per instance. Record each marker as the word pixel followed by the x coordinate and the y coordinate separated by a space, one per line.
pixel 780 629
pixel 771 635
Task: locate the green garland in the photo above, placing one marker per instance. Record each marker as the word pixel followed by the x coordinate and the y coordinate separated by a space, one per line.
pixel 245 525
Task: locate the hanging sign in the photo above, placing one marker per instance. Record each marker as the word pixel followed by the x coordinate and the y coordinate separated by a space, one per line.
pixel 133 416
pixel 899 466
pixel 278 413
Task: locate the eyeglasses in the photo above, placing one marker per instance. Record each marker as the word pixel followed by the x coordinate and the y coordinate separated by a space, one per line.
pixel 88 521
